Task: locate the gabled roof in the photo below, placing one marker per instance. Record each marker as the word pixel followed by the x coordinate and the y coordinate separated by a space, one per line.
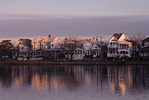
pixel 92 41
pixel 26 42
pixel 117 35
pixel 45 38
pixel 146 40
pixel 84 41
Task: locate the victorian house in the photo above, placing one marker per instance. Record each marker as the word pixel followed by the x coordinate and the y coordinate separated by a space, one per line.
pixel 87 48
pixel 46 46
pixel 23 48
pixel 119 47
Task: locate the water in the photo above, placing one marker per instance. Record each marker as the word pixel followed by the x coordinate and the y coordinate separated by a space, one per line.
pixel 74 82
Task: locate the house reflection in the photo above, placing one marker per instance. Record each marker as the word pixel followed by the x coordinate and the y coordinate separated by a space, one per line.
pixel 120 78
pixel 39 82
pixel 123 78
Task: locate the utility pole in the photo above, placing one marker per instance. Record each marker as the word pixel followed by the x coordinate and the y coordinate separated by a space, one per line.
pixel 101 45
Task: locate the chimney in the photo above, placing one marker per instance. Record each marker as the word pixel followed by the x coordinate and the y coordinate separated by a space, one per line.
pixel 66 38
pixel 94 38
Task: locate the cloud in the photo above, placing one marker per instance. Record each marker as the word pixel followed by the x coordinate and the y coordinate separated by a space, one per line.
pixel 29 26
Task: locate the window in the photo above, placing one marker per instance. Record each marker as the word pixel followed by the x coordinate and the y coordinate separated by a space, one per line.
pixel 110 43
pixel 127 46
pixel 22 48
pixel 52 45
pixel 111 51
pixel 119 45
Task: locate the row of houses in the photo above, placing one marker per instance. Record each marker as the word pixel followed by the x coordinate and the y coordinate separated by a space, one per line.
pixel 71 48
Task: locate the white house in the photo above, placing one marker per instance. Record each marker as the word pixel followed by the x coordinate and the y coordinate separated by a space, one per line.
pixel 144 47
pixel 23 46
pixel 46 46
pixel 119 47
pixel 46 43
pixel 88 48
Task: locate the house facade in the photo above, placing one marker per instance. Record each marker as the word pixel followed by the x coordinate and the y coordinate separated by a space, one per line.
pixel 119 47
pixel 88 49
pixel 47 46
pixel 23 48
pixel 144 44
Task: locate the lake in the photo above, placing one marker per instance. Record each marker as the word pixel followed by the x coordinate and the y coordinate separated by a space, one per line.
pixel 74 82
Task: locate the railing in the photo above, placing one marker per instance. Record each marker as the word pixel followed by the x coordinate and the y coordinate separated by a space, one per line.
pixel 112 46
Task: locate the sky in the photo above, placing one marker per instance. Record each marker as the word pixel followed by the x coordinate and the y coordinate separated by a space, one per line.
pixel 81 18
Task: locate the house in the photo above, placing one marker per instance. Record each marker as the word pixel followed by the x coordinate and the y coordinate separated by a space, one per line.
pixel 144 44
pixel 46 43
pixel 46 46
pixel 80 50
pixel 87 48
pixel 119 47
pixel 94 49
pixel 23 47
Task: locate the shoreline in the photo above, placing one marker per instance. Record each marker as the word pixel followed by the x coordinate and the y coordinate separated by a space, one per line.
pixel 74 62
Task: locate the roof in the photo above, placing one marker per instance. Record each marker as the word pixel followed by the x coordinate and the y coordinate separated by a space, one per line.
pixel 146 40
pixel 26 42
pixel 45 38
pixel 79 49
pixel 92 40
pixel 118 35
pixel 95 49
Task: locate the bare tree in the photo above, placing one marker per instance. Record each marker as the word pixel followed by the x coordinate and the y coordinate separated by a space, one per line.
pixel 71 43
pixel 136 39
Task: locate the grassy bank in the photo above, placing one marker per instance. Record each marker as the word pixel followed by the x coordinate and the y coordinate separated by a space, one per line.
pixel 44 62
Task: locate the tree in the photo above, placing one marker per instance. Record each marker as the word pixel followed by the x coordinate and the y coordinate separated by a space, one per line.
pixel 71 43
pixel 6 48
pixel 136 39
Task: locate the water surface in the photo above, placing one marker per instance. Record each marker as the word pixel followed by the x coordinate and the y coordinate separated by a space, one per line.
pixel 74 82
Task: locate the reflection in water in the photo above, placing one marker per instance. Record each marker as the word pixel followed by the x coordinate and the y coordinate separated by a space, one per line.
pixel 120 78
